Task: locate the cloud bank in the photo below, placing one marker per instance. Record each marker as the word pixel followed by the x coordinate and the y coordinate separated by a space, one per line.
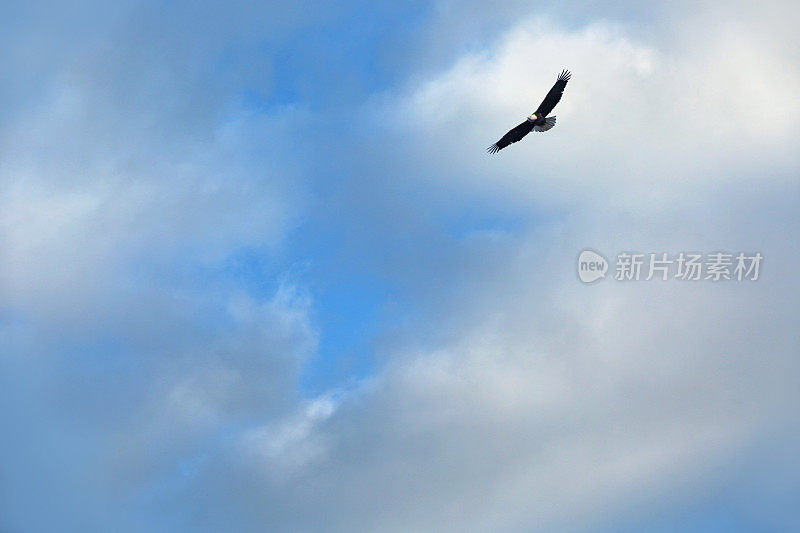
pixel 160 307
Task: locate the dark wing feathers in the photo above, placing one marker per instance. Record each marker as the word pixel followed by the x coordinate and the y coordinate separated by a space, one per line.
pixel 545 108
pixel 554 95
pixel 515 134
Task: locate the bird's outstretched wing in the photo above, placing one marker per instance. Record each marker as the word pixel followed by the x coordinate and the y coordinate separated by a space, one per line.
pixel 554 95
pixel 515 134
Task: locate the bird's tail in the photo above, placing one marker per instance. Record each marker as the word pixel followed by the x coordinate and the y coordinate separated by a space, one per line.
pixel 549 122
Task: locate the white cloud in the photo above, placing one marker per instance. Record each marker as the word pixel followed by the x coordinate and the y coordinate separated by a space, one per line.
pixel 545 403
pixel 636 124
pixel 514 398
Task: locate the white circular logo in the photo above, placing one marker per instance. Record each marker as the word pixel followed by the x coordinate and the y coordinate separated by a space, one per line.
pixel 591 266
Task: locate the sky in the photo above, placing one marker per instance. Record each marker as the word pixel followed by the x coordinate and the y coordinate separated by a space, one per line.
pixel 258 273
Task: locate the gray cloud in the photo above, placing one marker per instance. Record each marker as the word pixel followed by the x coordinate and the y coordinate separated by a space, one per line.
pixel 546 404
pixel 150 390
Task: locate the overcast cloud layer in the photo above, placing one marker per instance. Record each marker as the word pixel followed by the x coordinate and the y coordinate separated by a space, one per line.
pixel 258 273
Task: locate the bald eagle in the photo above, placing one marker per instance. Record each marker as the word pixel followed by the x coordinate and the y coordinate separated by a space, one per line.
pixel 539 121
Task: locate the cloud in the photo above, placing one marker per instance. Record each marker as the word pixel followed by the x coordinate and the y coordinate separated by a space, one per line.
pixel 162 385
pixel 688 109
pixel 133 182
pixel 544 403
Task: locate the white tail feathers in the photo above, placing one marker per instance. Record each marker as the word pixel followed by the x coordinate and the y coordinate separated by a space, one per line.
pixel 549 122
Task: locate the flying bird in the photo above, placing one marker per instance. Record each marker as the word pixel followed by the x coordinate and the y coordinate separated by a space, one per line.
pixel 539 121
